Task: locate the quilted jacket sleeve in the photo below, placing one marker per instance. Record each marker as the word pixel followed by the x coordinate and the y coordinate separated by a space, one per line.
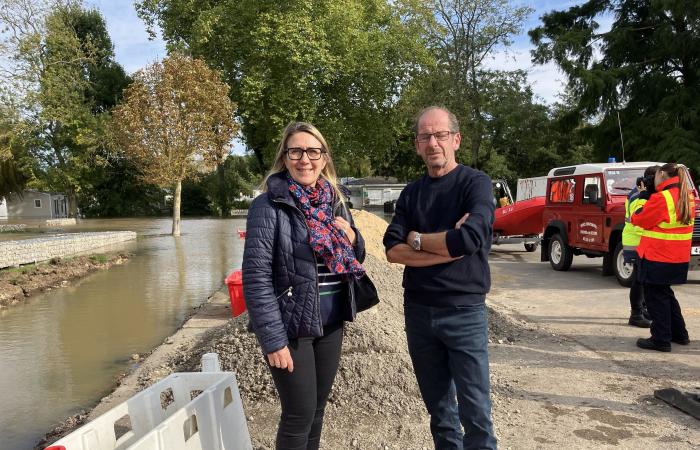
pixel 258 288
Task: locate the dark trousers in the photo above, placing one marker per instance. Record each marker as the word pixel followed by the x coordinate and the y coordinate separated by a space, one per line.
pixel 637 297
pixel 304 392
pixel 666 318
pixel 449 351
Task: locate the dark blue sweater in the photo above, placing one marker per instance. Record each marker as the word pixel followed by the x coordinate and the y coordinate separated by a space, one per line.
pixel 432 205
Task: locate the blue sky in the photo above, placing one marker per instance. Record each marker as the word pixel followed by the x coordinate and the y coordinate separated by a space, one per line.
pixel 133 49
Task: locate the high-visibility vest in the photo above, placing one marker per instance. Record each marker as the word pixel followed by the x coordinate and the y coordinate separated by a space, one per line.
pixel 667 241
pixel 631 234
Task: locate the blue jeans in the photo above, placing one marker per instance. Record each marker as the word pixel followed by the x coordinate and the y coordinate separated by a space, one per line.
pixel 449 351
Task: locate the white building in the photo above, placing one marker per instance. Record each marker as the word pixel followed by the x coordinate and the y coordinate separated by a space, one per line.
pixel 34 205
pixel 373 191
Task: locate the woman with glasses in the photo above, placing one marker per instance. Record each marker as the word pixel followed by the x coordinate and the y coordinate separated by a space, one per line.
pixel 301 248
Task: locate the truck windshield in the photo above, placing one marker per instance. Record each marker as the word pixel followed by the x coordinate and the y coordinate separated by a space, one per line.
pixel 621 182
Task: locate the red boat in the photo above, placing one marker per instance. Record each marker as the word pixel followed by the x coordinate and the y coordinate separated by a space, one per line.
pixel 522 218
pixel 241 234
pixel 519 222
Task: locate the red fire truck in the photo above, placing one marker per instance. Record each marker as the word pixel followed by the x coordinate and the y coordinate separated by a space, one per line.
pixel 584 214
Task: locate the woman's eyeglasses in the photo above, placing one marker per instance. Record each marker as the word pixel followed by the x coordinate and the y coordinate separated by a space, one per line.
pixel 296 153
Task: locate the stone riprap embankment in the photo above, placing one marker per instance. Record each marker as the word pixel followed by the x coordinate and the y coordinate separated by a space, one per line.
pixel 28 251
pixel 12 227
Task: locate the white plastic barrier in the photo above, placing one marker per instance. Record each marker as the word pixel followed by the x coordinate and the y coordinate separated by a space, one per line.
pixel 166 417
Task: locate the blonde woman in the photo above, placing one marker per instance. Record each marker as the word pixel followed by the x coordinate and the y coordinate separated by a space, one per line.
pixel 667 220
pixel 301 248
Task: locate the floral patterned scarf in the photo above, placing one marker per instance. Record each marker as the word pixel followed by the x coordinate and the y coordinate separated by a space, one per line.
pixel 316 203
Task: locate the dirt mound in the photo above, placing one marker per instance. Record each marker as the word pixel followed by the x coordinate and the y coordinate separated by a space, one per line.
pixel 372 228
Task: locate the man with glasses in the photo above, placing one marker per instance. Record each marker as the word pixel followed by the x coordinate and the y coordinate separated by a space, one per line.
pixel 441 231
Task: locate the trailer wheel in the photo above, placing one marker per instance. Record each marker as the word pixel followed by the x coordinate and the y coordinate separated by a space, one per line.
pixel 531 247
pixel 560 254
pixel 624 273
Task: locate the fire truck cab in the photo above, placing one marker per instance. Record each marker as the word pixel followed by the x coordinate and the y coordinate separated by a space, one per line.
pixel 584 214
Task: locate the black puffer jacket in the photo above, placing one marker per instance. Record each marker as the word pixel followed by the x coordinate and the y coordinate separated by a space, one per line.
pixel 280 280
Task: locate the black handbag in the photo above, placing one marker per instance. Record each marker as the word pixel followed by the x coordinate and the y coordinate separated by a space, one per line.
pixel 366 295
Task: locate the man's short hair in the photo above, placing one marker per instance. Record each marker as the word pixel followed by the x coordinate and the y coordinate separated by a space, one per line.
pixel 452 119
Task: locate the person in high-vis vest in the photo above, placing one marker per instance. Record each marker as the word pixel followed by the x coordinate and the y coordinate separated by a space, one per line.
pixel 639 317
pixel 667 219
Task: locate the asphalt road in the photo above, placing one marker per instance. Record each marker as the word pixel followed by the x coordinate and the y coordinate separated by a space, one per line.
pixel 576 379
pixel 583 303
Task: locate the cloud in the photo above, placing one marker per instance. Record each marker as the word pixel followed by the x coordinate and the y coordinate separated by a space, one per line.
pixel 547 80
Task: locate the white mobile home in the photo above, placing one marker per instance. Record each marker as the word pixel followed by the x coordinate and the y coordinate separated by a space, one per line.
pixel 34 205
pixel 373 191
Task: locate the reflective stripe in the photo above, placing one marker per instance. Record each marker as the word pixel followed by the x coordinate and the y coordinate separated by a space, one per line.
pixel 668 236
pixel 630 248
pixel 631 234
pixel 671 208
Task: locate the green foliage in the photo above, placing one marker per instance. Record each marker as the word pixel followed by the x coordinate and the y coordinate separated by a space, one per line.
pixel 194 199
pixel 235 177
pixel 339 64
pixel 62 82
pixel 240 204
pixel 15 162
pixel 647 70
pixel 119 192
pixel 99 258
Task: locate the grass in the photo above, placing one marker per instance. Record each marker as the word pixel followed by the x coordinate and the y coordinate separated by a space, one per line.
pixel 21 269
pixel 99 258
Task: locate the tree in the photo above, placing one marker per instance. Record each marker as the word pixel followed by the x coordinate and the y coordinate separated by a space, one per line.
pixel 176 122
pixel 645 68
pixel 339 64
pixel 62 80
pixel 236 176
pixel 15 164
pixel 462 34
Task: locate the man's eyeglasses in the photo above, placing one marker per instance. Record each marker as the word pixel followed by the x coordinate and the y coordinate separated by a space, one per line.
pixel 296 153
pixel 439 136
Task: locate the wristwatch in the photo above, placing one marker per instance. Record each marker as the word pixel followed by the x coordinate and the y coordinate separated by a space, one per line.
pixel 416 242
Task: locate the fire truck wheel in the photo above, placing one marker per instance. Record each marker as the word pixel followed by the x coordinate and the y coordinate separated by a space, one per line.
pixel 625 273
pixel 560 254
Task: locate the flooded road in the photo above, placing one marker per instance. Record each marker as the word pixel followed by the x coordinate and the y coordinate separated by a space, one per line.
pixel 63 350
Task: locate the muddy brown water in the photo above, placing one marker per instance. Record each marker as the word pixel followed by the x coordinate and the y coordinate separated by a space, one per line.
pixel 64 349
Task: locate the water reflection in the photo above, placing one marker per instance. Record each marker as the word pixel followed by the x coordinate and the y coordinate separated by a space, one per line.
pixel 63 350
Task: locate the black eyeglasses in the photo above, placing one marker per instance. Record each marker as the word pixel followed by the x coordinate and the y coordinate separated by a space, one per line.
pixel 296 153
pixel 439 136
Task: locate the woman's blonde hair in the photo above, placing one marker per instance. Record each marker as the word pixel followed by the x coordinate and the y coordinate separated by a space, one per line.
pixel 685 190
pixel 328 171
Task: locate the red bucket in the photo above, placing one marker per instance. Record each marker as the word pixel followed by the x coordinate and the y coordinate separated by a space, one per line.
pixel 235 290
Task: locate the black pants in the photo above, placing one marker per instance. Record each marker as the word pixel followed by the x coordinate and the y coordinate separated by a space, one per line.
pixel 304 392
pixel 666 318
pixel 637 304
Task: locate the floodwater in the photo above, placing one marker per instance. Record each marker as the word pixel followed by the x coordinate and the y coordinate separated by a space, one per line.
pixel 63 350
